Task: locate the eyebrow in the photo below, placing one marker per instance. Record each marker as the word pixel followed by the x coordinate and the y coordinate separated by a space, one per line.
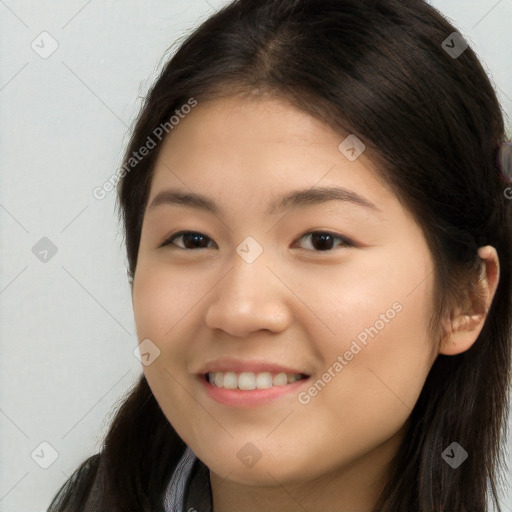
pixel 294 199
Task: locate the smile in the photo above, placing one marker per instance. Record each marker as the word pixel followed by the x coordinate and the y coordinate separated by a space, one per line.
pixel 248 389
pixel 248 381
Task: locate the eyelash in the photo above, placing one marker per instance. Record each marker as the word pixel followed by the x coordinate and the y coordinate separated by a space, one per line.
pixel 345 241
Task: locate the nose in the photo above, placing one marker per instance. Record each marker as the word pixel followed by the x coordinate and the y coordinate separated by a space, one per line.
pixel 249 298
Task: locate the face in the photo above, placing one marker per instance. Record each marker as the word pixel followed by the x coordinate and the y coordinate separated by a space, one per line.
pixel 334 286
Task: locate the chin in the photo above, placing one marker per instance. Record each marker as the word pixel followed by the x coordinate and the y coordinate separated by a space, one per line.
pixel 262 472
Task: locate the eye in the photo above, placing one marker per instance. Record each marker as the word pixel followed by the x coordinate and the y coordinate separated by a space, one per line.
pixel 320 241
pixel 190 239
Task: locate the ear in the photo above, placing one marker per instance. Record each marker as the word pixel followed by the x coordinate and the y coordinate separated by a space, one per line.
pixel 466 323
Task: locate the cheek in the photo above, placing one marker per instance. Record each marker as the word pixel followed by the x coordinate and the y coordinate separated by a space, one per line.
pixel 375 387
pixel 163 304
pixel 378 348
pixel 163 299
pixel 385 352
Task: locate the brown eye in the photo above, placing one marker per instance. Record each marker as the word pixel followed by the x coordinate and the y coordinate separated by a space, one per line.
pixel 322 241
pixel 191 240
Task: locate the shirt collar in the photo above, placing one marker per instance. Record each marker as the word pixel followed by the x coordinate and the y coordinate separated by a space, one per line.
pixel 189 487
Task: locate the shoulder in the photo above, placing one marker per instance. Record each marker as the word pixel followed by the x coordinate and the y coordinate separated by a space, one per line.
pixel 80 491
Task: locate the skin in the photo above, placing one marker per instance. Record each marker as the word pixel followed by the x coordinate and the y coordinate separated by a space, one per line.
pixel 294 305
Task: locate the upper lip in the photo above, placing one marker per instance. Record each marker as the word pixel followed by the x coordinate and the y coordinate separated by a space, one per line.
pixel 232 364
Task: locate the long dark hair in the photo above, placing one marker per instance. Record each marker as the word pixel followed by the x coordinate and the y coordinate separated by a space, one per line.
pixel 431 121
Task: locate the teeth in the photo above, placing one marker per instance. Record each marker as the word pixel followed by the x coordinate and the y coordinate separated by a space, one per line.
pixel 247 381
pixel 264 380
pixel 229 380
pixel 280 379
pixel 218 379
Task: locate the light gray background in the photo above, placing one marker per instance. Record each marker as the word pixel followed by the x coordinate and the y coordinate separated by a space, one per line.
pixel 67 329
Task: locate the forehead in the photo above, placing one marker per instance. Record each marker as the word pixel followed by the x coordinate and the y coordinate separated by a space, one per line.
pixel 261 147
pixel 263 117
pixel 238 127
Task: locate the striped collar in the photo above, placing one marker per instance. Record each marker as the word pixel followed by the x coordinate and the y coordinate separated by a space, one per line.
pixel 189 488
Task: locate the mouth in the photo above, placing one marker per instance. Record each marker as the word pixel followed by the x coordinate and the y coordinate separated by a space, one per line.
pixel 249 381
pixel 255 382
pixel 251 390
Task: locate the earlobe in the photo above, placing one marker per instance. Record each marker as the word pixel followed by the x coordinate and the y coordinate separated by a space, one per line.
pixel 461 333
pixel 465 325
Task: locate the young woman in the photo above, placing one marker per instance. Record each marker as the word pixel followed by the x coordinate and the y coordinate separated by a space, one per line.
pixel 319 240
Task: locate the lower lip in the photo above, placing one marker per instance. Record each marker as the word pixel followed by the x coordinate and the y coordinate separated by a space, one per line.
pixel 253 398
